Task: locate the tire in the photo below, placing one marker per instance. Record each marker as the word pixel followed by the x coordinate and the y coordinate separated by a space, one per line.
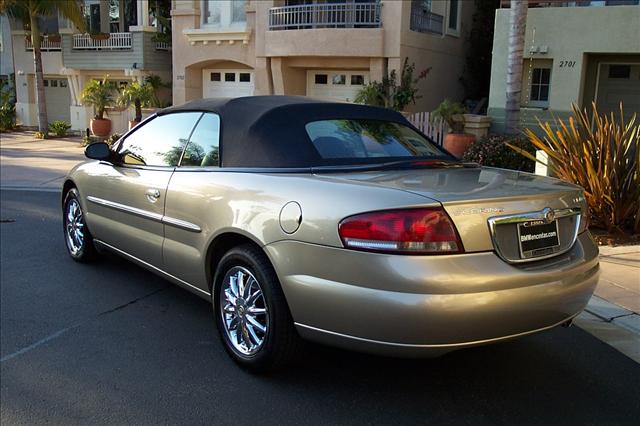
pixel 280 341
pixel 77 237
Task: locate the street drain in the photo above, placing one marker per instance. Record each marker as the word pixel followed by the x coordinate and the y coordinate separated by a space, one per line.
pixel 7 220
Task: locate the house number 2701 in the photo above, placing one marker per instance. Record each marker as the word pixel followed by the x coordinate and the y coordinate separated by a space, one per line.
pixel 567 64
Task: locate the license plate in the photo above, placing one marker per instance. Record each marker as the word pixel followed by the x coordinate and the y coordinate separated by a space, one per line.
pixel 537 238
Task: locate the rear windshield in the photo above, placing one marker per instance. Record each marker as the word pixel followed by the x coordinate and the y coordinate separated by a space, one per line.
pixel 361 139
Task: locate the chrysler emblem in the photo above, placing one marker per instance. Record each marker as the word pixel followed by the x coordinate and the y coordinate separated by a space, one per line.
pixel 548 214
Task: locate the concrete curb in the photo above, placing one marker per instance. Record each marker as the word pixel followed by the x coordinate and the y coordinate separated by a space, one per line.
pixel 612 324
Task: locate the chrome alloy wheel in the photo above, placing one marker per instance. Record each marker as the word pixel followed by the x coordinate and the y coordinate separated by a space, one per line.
pixel 74 228
pixel 244 311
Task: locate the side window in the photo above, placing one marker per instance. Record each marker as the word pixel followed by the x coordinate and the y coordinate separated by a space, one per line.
pixel 204 146
pixel 159 142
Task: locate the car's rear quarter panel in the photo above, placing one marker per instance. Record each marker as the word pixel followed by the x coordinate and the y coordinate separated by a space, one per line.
pixel 250 204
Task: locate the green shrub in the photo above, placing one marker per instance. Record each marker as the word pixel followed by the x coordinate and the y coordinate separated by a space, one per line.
pixel 600 153
pixel 59 128
pixel 393 92
pixel 41 135
pixel 7 111
pixel 112 139
pixel 493 151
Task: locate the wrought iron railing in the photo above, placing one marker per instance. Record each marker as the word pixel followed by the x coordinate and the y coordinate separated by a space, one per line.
pixel 102 41
pixel 325 15
pixel 427 22
pixel 574 3
pixel 46 44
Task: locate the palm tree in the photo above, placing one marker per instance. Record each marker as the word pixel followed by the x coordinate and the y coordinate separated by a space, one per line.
pixel 518 23
pixel 30 11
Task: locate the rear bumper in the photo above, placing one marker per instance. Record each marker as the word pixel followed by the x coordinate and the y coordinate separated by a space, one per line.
pixel 415 305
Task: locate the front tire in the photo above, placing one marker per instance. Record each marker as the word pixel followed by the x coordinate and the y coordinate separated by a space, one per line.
pixel 77 237
pixel 251 312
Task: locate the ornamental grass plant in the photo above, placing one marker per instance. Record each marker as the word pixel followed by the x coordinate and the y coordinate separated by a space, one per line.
pixel 600 153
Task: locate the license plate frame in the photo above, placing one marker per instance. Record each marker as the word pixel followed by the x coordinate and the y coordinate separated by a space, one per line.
pixel 536 247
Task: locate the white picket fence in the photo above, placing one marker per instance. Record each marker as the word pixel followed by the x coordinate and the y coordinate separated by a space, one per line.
pixel 436 130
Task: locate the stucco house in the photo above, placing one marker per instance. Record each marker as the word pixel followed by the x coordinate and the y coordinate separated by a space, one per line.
pixel 575 52
pixel 6 50
pixel 125 51
pixel 324 49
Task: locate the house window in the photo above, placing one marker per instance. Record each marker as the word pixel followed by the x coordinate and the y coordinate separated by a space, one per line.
pixel 339 79
pixel 357 80
pixel 321 79
pixel 245 77
pixel 224 13
pixel 229 76
pixel 215 76
pixel 539 91
pixel 620 71
pixel 454 11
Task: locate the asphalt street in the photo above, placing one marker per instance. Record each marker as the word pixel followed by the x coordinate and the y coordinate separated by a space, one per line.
pixel 110 343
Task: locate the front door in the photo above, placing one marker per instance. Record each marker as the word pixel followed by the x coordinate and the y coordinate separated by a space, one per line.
pixel 125 204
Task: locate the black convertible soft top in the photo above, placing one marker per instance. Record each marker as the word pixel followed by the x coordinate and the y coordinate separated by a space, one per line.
pixel 269 131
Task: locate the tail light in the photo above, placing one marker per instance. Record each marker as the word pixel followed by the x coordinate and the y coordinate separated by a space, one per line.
pixel 407 231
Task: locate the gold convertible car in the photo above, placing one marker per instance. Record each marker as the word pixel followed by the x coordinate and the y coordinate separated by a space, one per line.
pixel 332 222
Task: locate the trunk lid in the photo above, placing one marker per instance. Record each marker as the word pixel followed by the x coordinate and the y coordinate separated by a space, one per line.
pixel 471 196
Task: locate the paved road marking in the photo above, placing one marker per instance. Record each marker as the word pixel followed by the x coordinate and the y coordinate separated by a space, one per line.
pixel 64 330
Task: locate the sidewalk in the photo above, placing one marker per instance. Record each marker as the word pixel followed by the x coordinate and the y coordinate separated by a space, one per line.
pixel 27 162
pixel 613 314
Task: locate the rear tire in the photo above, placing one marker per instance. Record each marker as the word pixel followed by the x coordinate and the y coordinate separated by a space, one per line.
pixel 251 312
pixel 77 237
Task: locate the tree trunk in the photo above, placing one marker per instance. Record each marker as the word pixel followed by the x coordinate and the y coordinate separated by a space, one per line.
pixel 43 125
pixel 518 23
pixel 138 106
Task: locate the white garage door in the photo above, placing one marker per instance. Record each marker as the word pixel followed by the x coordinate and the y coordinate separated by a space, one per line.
pixel 58 98
pixel 619 83
pixel 336 85
pixel 227 83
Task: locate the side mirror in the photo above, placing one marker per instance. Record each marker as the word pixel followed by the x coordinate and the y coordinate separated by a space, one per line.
pixel 98 151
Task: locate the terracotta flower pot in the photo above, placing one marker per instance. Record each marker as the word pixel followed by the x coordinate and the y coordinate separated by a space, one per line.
pixel 100 127
pixel 457 143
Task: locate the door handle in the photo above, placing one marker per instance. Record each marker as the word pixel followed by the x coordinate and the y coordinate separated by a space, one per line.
pixel 152 194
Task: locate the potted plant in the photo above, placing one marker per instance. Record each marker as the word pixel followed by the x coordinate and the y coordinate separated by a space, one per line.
pixel 100 36
pixel 54 37
pixel 452 113
pixel 138 95
pixel 99 95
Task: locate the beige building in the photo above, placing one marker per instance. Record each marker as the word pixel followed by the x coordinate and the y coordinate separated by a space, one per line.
pixel 575 52
pixel 324 49
pixel 126 52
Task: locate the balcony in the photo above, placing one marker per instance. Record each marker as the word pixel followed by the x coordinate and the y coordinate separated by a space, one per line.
pixel 111 41
pixel 123 50
pixel 46 45
pixel 326 15
pixel 427 22
pixel 575 3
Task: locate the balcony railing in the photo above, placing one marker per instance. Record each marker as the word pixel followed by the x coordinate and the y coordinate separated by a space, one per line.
pixel 163 45
pixel 575 3
pixel 326 15
pixel 427 22
pixel 115 41
pixel 46 45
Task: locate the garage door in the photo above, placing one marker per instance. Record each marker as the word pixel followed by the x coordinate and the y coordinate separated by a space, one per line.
pixel 619 83
pixel 227 83
pixel 336 85
pixel 58 98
